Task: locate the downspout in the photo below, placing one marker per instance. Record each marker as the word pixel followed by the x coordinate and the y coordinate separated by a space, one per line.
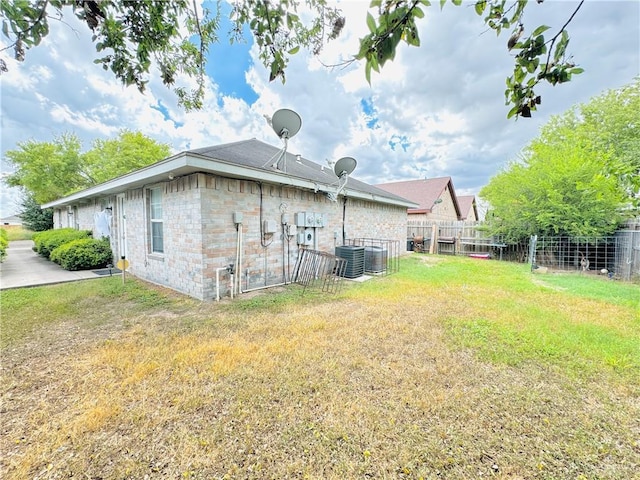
pixel 344 216
pixel 284 236
pixel 237 263
pixel 239 276
pixel 237 259
pixel 145 224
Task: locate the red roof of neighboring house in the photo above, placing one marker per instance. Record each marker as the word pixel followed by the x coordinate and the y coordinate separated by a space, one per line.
pixel 467 204
pixel 424 192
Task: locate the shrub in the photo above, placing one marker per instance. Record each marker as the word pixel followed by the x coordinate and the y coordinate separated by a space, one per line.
pixel 47 241
pixel 4 242
pixel 83 254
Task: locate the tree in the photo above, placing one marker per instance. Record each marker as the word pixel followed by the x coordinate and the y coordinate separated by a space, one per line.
pixel 35 218
pixel 129 151
pixel 610 124
pixel 577 178
pixel 133 36
pixel 51 170
pixel 47 170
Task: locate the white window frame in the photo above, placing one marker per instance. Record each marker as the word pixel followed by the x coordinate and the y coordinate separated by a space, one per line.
pixel 155 220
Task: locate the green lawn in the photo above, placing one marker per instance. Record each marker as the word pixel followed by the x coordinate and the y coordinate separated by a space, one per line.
pixel 451 368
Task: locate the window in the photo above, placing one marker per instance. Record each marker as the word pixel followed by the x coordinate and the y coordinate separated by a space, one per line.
pixel 155 220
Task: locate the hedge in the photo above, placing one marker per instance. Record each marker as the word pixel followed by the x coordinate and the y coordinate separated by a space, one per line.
pixel 47 241
pixel 4 243
pixel 83 254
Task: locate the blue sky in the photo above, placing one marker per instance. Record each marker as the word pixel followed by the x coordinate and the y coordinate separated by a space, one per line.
pixel 437 110
pixel 229 62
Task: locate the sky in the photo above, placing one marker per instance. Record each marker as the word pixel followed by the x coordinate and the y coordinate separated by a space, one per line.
pixel 436 110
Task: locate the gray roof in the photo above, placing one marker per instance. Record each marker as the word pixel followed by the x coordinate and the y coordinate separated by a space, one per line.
pixel 247 159
pixel 259 155
pixel 11 220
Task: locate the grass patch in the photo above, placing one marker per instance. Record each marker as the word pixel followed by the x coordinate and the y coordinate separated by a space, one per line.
pixel 597 288
pixel 409 375
pixel 26 311
pixel 17 232
pixel 589 327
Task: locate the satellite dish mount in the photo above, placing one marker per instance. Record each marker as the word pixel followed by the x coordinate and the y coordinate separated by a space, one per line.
pixel 342 168
pixel 286 123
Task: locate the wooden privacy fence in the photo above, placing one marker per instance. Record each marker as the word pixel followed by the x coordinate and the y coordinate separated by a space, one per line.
pixel 454 237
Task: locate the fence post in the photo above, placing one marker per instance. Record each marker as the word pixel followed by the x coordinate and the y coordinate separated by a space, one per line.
pixel 532 250
pixel 434 239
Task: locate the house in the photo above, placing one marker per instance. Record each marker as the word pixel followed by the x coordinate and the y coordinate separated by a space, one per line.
pixel 468 208
pixel 436 198
pixel 12 220
pixel 231 216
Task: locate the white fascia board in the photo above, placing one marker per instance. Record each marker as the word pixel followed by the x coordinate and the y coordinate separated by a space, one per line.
pixel 380 199
pixel 185 164
pixel 136 179
pixel 238 171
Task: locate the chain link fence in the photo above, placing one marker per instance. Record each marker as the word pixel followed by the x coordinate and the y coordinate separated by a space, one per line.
pixel 617 255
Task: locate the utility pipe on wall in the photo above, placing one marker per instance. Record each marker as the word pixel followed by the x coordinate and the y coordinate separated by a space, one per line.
pixel 237 284
pixel 247 290
pixel 239 257
pixel 218 270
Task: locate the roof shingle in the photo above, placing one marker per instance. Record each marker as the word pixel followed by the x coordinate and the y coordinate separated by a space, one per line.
pixel 424 192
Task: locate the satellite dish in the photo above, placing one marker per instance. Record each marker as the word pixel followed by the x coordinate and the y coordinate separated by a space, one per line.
pixel 345 166
pixel 286 123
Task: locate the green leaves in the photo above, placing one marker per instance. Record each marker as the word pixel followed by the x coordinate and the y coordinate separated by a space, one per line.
pixel 396 22
pixel 279 32
pixel 540 30
pixel 561 47
pixel 133 37
pixel 480 6
pixel 51 170
pixel 532 59
pixel 580 177
pixel 371 23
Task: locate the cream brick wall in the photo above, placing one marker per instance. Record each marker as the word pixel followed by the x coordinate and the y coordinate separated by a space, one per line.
pixel 445 210
pixel 83 215
pixel 200 234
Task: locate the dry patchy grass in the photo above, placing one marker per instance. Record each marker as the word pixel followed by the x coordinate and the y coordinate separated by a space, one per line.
pixel 387 380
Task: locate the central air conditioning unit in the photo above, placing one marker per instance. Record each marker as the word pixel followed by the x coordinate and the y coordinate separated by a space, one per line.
pixel 375 259
pixel 354 255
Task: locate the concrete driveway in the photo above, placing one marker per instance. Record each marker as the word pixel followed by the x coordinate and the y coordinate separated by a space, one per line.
pixel 25 268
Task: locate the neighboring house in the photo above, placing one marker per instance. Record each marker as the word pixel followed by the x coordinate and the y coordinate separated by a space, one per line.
pixel 182 221
pixel 10 221
pixel 468 208
pixel 435 197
